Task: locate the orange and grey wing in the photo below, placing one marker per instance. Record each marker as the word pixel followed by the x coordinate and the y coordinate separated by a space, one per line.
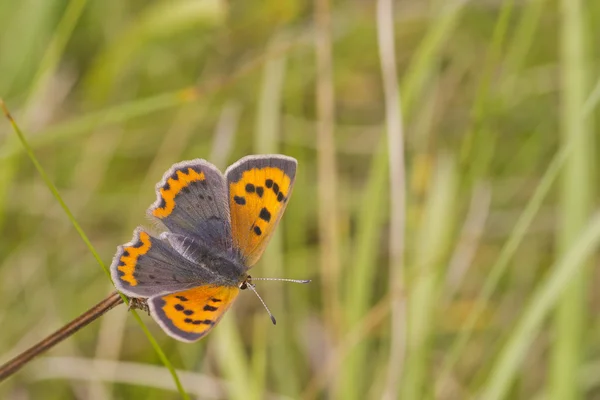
pixel 191 199
pixel 259 190
pixel 148 266
pixel 189 315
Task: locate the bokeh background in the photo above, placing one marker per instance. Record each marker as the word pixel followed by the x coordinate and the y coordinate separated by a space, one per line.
pixel 444 203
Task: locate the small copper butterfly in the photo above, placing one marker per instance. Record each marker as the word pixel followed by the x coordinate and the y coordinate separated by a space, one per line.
pixel 218 226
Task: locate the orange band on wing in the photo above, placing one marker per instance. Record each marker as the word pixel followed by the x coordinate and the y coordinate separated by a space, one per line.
pixel 191 314
pixel 257 201
pixel 130 256
pixel 172 187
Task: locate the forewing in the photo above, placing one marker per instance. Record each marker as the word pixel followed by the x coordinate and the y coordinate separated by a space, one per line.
pixel 259 190
pixel 148 266
pixel 189 315
pixel 192 200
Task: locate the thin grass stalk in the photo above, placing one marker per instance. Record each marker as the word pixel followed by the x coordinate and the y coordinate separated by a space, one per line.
pixel 575 202
pixel 89 245
pixel 326 168
pixel 422 65
pixel 397 182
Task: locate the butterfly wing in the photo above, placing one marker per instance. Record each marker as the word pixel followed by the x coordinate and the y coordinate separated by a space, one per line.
pixel 192 201
pixel 259 189
pixel 148 266
pixel 189 315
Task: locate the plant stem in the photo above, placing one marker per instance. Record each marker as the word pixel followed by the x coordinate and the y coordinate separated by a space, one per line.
pixel 12 366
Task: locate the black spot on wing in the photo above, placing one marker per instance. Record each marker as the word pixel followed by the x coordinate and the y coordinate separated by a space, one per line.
pixel 269 183
pixel 199 321
pixel 265 214
pixel 179 307
pixel 250 188
pixel 257 231
pixel 280 197
pixel 239 200
pixel 182 298
pixel 210 308
pixel 260 191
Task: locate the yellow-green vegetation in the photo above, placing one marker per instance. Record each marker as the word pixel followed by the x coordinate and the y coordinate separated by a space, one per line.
pixel 445 202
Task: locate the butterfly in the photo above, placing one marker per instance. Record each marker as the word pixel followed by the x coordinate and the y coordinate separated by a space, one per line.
pixel 217 227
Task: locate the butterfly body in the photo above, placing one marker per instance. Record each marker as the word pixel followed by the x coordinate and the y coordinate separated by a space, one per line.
pixel 217 225
pixel 210 266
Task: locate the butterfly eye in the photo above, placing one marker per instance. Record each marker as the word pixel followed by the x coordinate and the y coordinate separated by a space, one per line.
pixel 245 283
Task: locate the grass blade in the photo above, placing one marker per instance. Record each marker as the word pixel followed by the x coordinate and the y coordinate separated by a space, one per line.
pixel 542 301
pixel 326 161
pixel 360 282
pixel 397 181
pixel 576 202
pixel 433 244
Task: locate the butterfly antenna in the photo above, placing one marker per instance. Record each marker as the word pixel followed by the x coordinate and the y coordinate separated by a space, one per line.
pixel 251 287
pixel 283 279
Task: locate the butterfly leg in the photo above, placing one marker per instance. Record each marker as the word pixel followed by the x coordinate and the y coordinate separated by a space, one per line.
pixel 138 304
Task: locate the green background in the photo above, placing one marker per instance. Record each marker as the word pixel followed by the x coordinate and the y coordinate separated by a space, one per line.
pixel 464 269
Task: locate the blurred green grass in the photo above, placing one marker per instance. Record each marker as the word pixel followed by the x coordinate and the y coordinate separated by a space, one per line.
pixel 497 111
